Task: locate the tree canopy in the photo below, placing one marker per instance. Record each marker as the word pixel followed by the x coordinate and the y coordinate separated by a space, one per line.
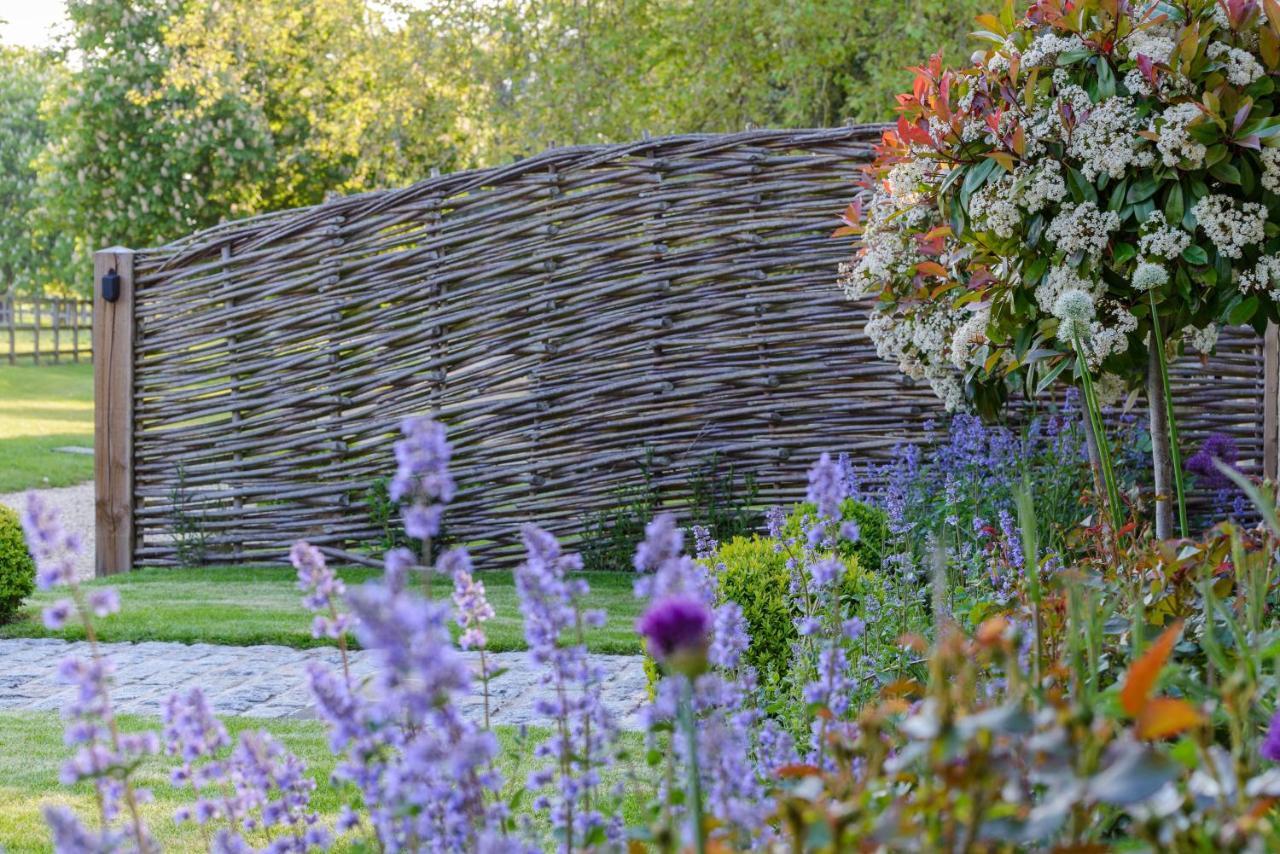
pixel 153 118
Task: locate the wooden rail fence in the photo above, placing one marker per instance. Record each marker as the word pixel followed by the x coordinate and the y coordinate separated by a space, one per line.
pixel 564 315
pixel 45 329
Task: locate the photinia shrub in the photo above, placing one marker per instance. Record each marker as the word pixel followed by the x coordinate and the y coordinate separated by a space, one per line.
pixel 1100 165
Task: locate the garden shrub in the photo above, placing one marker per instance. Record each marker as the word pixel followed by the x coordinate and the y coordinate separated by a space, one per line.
pixel 17 570
pixel 753 572
pixel 873 530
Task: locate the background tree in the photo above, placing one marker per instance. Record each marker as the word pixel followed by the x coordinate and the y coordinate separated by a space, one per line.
pixel 32 258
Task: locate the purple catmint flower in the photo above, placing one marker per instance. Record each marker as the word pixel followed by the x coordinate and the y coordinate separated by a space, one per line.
pixel 833 687
pixel 677 632
pixel 730 637
pixel 422 481
pixel 397 564
pixel 191 732
pixel 1271 744
pixel 56 615
pixel 704 545
pixel 826 572
pixel 103 602
pixel 323 589
pixel 827 488
pixel 664 567
pixel 583 731
pixel 53 549
pixel 1216 447
pixel 775 521
pixel 469 598
pixel 71 837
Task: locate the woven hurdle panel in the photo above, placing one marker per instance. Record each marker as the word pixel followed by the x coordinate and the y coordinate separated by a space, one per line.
pixel 564 315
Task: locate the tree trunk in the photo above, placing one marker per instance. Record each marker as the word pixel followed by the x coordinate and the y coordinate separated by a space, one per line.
pixel 1161 454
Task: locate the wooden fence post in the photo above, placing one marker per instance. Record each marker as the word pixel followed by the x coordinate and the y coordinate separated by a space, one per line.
pixel 113 414
pixel 1271 403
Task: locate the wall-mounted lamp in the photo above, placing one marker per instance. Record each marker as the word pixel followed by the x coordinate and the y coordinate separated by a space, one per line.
pixel 111 286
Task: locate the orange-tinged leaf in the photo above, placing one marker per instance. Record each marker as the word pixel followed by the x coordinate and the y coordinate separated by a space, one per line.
pixel 931 268
pixel 1143 673
pixel 1004 158
pixel 1272 8
pixel 940 231
pixel 847 231
pixel 991 22
pixel 793 772
pixel 1166 716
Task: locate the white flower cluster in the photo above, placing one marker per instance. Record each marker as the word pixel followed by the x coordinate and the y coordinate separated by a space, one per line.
pixel 1037 187
pixel 1148 275
pixel 1240 66
pixel 921 343
pixel 994 205
pixel 1161 239
pixel 1264 278
pixel 887 249
pixel 1156 42
pixel 1108 388
pixel 1201 340
pixel 1079 324
pixel 1229 228
pixel 1271 169
pixel 1047 47
pixel 969 336
pixel 1082 228
pixel 1059 281
pixel 905 180
pixel 1175 144
pixel 1107 143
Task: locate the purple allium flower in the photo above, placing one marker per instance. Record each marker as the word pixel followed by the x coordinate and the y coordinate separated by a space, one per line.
pixel 1216 446
pixel 676 630
pixel 827 488
pixel 1271 744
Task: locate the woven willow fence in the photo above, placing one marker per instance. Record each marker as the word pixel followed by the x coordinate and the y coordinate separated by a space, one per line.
pixel 564 315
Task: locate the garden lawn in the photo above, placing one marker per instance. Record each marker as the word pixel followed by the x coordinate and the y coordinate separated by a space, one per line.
pixel 253 605
pixel 32 751
pixel 41 408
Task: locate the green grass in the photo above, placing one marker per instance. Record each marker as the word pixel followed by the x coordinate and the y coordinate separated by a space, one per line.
pixel 42 408
pixel 32 751
pixel 253 605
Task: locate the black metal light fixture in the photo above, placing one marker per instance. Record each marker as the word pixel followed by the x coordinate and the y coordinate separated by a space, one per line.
pixel 111 285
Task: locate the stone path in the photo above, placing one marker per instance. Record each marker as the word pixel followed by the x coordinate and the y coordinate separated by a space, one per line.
pixel 270 681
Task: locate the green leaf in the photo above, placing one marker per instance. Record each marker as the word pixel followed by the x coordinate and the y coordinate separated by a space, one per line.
pixel 1174 206
pixel 1195 255
pixel 1137 774
pixel 1106 79
pixel 1050 376
pixel 1122 253
pixel 1117 196
pixel 1142 190
pixel 1225 172
pixel 1243 312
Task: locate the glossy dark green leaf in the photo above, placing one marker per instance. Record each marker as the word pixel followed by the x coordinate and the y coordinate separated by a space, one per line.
pixel 1195 255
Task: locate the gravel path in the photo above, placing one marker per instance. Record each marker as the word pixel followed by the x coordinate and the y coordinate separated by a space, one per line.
pixel 75 503
pixel 270 681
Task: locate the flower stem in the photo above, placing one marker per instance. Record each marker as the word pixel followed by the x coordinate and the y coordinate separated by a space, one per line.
pixel 1175 454
pixel 1104 449
pixel 695 780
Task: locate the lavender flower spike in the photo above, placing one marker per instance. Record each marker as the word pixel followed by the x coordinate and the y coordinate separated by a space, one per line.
pixel 827 487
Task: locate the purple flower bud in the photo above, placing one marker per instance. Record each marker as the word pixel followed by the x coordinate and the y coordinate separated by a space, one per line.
pixel 1271 744
pixel 57 614
pixel 677 630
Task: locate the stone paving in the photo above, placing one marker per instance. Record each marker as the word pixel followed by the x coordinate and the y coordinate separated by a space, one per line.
pixel 270 681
